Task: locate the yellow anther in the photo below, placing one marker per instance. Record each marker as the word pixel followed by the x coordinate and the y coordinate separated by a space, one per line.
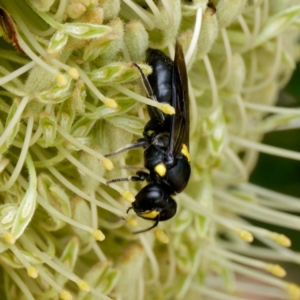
pixel 132 221
pixel 9 238
pixel 128 196
pixel 281 239
pixel 276 270
pixel 293 289
pixel 74 74
pixel 150 214
pixel 161 236
pixel 107 164
pixel 61 79
pixel 167 109
pixel 65 295
pixel 244 235
pixel 161 169
pixel 84 286
pixel 32 272
pixel 98 235
pixel 185 152
pixel 110 103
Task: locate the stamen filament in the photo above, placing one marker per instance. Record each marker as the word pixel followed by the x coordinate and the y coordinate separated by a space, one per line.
pixel 271 109
pixel 214 89
pixel 17 73
pixel 79 192
pixel 14 120
pixel 196 33
pixel 64 295
pixel 92 87
pixel 228 53
pixel 141 13
pixel 75 142
pixel 139 98
pixel 256 212
pixel 15 277
pixel 151 256
pixel 265 148
pixel 22 156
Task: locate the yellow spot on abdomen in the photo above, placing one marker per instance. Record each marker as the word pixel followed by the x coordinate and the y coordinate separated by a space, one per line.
pixel 161 169
pixel 185 152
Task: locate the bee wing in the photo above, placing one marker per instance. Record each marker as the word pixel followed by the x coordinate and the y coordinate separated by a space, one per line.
pixel 180 126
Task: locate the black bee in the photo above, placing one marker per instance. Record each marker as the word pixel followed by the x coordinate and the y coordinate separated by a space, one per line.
pixel 165 139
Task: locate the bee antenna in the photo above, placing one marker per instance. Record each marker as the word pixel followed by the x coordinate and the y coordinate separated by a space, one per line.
pixel 151 227
pixel 128 209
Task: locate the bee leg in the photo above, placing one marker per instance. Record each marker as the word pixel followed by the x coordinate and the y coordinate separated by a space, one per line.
pixel 146 84
pixel 127 211
pixel 140 176
pixel 151 227
pixel 140 143
pixel 151 95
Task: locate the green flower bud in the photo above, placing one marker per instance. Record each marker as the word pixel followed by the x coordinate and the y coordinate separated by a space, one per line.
pixel 39 80
pixel 7 215
pixel 66 115
pixel 68 258
pixel 93 16
pixel 52 194
pixel 118 73
pixel 78 97
pixel 215 128
pixel 85 30
pixel 229 10
pixel 24 213
pixel 75 10
pixel 111 8
pixel 98 46
pixel 48 124
pixel 102 277
pixel 57 42
pixel 129 123
pixel 115 140
pixel 57 93
pixel 205 199
pixel 95 165
pixel 136 40
pixel 208 34
pixel 115 46
pixel 81 212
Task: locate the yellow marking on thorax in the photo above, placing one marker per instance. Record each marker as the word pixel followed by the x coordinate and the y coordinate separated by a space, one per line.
pixel 149 214
pixel 185 152
pixel 160 169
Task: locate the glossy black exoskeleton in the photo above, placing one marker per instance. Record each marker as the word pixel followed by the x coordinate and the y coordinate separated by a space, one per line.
pixel 165 139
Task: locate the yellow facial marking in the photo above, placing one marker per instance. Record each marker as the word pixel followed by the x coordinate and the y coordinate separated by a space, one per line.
pixel 161 169
pixel 150 214
pixel 185 152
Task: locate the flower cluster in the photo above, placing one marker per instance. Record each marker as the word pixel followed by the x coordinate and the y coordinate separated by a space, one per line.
pixel 70 94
